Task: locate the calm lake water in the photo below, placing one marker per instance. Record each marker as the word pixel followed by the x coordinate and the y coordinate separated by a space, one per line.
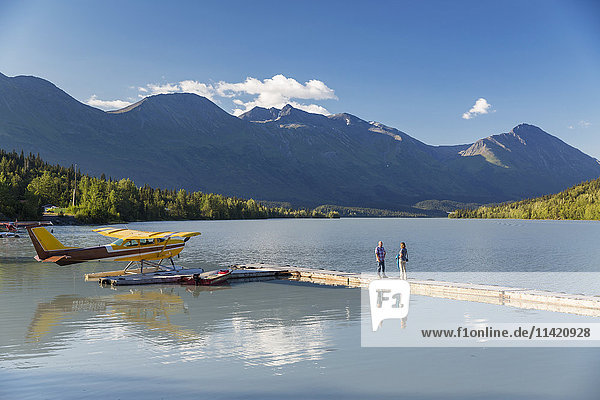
pixel 63 338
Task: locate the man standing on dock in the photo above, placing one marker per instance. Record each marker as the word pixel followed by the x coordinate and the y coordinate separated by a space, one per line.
pixel 380 255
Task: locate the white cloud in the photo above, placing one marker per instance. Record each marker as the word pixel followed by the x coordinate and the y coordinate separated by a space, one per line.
pixel 187 86
pixel 481 106
pixel 94 101
pixel 279 85
pixel 201 89
pixel 271 92
pixel 582 124
pixel 311 108
pixel 162 89
pixel 277 92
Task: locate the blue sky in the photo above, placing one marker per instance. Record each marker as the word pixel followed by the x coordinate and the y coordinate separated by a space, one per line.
pixel 418 66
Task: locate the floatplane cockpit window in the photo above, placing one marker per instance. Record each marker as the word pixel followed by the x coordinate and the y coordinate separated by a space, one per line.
pixel 135 242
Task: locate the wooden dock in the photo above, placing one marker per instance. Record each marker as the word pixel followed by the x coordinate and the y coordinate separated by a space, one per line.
pixel 491 294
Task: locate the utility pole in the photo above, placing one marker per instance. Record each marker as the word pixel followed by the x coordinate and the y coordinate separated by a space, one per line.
pixel 75 185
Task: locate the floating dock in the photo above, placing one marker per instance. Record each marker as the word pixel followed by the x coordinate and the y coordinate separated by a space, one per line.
pixel 137 278
pixel 491 294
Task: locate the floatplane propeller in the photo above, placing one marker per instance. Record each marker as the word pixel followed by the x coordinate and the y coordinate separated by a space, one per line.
pixel 145 248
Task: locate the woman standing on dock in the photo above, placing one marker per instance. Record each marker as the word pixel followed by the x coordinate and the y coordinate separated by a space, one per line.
pixel 402 258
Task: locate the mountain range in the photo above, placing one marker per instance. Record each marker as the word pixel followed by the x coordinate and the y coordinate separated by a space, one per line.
pixel 285 155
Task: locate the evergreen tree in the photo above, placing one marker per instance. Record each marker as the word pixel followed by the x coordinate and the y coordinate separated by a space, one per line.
pixel 27 183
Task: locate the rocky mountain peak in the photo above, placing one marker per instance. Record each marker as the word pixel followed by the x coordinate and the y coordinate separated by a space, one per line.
pixel 261 114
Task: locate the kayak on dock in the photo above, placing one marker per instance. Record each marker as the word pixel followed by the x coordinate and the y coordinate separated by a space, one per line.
pixel 208 278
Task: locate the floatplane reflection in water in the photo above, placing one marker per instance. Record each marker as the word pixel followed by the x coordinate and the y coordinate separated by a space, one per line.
pixel 150 309
pixel 147 250
pixel 177 327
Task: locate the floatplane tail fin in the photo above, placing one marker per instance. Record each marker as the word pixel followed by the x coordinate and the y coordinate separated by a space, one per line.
pixel 44 243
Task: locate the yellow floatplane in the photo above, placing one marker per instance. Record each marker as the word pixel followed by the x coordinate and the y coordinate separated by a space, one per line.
pixel 146 250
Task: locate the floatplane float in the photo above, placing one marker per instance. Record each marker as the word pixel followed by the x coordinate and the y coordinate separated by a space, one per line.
pixel 144 251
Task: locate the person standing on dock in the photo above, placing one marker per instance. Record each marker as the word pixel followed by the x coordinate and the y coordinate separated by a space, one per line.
pixel 380 255
pixel 402 258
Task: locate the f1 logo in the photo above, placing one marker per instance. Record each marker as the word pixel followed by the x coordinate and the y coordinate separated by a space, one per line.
pixel 389 299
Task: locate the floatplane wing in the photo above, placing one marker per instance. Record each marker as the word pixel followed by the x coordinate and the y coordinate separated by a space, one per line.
pixel 131 245
pixel 130 234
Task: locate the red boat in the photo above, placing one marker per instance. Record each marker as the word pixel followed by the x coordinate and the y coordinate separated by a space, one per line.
pixel 207 278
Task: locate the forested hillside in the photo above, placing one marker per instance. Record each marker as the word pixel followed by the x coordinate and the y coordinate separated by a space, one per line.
pixel 578 202
pixel 27 183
